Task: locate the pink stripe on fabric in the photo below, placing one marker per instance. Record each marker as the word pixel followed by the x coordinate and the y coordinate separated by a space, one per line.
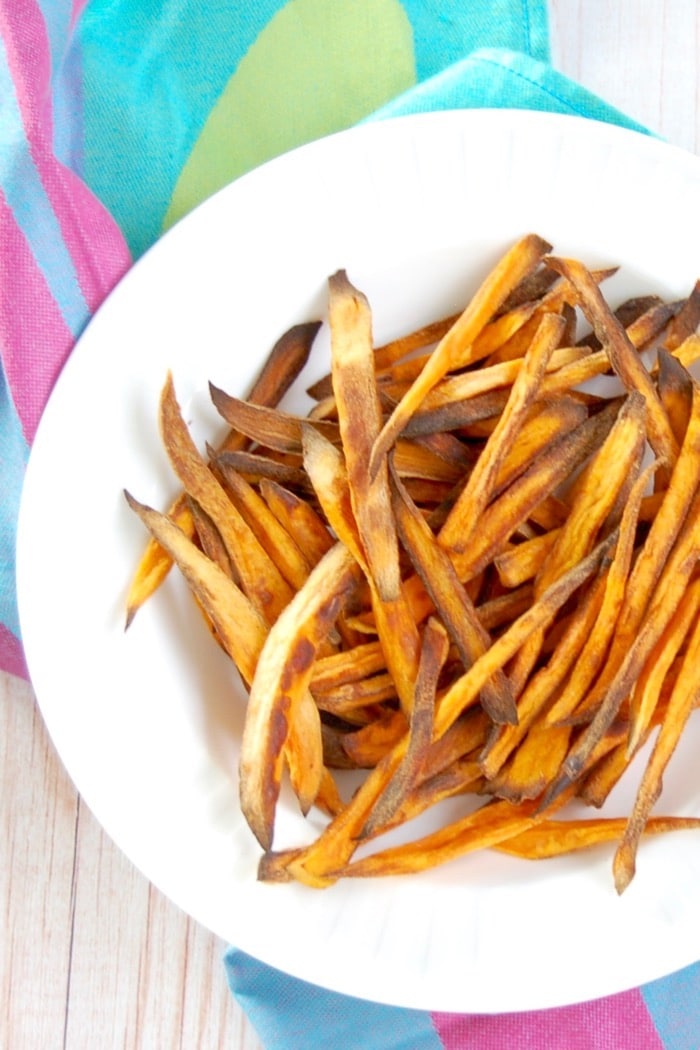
pixel 605 1024
pixel 97 246
pixel 77 10
pixel 98 249
pixel 42 338
pixel 11 655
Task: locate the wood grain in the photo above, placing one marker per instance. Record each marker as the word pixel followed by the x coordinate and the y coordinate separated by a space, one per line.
pixel 92 954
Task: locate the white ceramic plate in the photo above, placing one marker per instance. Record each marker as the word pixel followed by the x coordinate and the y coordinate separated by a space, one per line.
pixel 147 722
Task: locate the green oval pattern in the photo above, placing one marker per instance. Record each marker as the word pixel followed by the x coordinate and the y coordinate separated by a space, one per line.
pixel 318 66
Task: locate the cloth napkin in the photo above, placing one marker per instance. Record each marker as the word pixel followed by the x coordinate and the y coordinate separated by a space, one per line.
pixel 118 117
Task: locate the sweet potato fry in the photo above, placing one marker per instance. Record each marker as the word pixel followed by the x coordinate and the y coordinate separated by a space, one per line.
pixel 457 612
pixel 554 838
pixel 684 698
pixel 675 386
pixel 487 826
pixel 676 575
pixel 360 417
pixel 543 685
pixel 594 651
pixel 239 626
pixel 282 677
pixel 282 366
pixel 260 578
pixel 454 349
pixel 479 487
pixel 647 689
pixel 434 649
pixel 298 518
pixel 617 459
pixel 623 356
pixel 395 623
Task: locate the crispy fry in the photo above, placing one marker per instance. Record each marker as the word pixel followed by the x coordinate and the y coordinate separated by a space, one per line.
pixel 479 487
pixel 623 356
pixel 396 626
pixel 434 651
pixel 282 677
pixel 260 578
pixel 593 654
pixel 451 600
pixel 282 366
pixel 455 348
pixel 684 697
pixel 554 838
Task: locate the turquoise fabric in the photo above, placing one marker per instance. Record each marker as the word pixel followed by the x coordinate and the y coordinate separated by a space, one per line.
pixel 497 78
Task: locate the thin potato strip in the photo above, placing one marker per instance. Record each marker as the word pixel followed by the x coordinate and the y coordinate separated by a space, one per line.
pixel 259 576
pixel 434 650
pixel 395 624
pixel 523 561
pixel 433 565
pixel 677 573
pixel 616 460
pixel 455 348
pixel 623 355
pixel 685 696
pixel 282 677
pixel 348 700
pixel 273 538
pixel 351 665
pixel 360 418
pixel 466 385
pixel 669 520
pixel 593 654
pixel 239 626
pixel 269 427
pixel 555 838
pixel 465 690
pixel 479 487
pixel 543 684
pixel 548 421
pixel 368 745
pixel 257 467
pixel 457 415
pixel 298 518
pixel 155 563
pixel 647 689
pixel 515 505
pixel 534 764
pixel 686 321
pixel 675 386
pixel 282 366
pixel 487 826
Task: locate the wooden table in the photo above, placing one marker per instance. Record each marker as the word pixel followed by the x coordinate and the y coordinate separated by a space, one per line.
pixel 93 955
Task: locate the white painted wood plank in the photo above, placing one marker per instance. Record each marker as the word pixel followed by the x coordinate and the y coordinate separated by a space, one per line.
pixel 38 812
pixel 641 56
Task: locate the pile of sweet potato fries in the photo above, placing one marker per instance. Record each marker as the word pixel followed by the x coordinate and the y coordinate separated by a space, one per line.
pixel 462 572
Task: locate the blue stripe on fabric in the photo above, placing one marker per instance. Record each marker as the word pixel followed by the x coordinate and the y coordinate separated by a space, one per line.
pixel 674 1005
pixel 14 454
pixel 444 34
pixel 289 1014
pixel 26 197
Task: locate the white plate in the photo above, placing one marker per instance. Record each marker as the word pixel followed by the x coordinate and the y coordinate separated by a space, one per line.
pixel 147 722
